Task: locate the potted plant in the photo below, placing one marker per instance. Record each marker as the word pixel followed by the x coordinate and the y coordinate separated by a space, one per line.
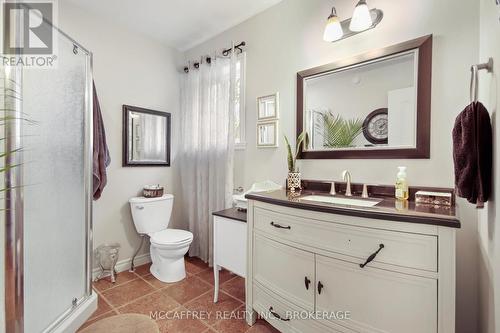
pixel 293 178
pixel 338 132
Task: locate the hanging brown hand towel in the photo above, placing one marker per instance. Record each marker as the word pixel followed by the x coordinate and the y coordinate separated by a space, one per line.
pixel 101 158
pixel 472 154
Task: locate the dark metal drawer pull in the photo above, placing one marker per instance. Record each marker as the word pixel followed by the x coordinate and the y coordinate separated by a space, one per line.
pixel 372 256
pixel 277 315
pixel 307 282
pixel 276 225
pixel 320 287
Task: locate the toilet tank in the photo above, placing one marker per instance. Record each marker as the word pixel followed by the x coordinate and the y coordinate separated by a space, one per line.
pixel 151 214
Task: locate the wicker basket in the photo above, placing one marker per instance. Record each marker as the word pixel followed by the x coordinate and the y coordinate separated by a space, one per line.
pixel 152 191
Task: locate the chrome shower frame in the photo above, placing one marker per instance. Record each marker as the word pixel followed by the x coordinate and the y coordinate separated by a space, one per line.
pixel 14 256
pixel 13 213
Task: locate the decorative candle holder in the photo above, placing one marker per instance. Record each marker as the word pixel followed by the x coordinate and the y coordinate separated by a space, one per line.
pixel 293 181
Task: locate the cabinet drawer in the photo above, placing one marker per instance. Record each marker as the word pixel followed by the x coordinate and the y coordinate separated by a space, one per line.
pixel 400 248
pixel 378 300
pixel 284 269
pixel 264 303
pixel 295 319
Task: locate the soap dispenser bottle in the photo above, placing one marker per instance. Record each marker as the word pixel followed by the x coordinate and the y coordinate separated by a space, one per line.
pixel 401 185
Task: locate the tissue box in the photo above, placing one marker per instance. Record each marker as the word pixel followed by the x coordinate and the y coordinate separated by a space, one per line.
pixel 433 198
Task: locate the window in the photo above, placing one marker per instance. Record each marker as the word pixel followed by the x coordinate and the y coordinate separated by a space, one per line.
pixel 239 103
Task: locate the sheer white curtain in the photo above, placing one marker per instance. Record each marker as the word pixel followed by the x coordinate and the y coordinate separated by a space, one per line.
pixel 207 147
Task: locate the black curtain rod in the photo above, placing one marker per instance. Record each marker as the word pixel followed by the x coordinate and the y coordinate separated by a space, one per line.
pixel 225 52
pixel 239 47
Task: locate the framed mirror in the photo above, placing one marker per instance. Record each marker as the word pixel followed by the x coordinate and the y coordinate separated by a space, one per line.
pixel 267 134
pixel 267 107
pixel 375 105
pixel 146 137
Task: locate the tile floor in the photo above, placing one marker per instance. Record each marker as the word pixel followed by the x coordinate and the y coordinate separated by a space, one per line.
pixel 140 292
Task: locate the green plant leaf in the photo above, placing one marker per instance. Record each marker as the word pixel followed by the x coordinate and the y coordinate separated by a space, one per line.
pixel 337 132
pixel 302 143
pixel 8 114
pixel 8 167
pixel 10 152
pixel 291 166
pixel 3 120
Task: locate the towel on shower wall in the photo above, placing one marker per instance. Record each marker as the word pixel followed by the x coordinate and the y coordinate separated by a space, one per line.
pixel 472 154
pixel 101 158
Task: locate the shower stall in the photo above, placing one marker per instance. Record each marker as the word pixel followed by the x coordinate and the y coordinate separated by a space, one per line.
pixel 46 196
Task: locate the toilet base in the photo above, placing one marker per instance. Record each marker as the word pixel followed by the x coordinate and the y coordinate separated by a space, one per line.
pixel 168 269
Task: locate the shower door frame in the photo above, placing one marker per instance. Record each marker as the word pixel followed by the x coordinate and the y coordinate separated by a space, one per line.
pixel 14 222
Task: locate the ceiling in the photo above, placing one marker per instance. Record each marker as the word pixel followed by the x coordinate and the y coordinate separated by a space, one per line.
pixel 181 24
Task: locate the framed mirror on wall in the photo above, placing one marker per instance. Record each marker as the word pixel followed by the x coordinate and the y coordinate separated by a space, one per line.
pixel 267 134
pixel 267 121
pixel 146 137
pixel 267 107
pixel 375 105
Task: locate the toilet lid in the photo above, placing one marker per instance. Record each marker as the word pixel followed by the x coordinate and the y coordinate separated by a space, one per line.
pixel 171 236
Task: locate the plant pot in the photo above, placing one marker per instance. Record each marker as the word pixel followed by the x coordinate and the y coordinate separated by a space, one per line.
pixel 293 181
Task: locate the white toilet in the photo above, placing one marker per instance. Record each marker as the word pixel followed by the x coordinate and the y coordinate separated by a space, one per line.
pixel 168 246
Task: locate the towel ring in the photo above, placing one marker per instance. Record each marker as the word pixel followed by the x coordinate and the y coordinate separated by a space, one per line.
pixel 474 84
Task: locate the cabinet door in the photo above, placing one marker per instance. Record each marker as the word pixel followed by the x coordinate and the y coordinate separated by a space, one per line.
pixel 230 245
pixel 285 270
pixel 378 300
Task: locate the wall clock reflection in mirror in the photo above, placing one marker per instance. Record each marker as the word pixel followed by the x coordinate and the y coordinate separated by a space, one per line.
pixel 375 127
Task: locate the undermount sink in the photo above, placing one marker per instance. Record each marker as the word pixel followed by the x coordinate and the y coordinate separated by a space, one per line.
pixel 342 200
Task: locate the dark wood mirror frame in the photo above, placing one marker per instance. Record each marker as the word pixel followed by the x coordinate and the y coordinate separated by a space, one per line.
pixel 422 149
pixel 125 133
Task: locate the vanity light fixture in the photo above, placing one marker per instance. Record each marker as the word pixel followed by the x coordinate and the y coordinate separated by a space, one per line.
pixel 333 29
pixel 361 18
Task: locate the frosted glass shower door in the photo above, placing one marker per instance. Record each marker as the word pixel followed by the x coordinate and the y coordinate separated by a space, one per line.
pixel 56 178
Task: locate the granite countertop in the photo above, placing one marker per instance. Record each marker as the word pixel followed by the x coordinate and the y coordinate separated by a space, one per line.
pixel 388 209
pixel 232 213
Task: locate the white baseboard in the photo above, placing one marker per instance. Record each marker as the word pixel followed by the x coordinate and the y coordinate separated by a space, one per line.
pixel 124 265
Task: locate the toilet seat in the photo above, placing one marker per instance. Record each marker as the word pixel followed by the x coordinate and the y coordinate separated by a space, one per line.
pixel 171 237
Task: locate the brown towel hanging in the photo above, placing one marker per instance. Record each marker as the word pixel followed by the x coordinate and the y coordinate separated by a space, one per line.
pixel 101 158
pixel 472 154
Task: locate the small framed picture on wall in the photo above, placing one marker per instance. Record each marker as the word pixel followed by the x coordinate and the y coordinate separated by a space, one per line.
pixel 267 107
pixel 267 134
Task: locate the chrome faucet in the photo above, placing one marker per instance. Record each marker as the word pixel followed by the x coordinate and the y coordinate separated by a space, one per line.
pixel 332 188
pixel 346 176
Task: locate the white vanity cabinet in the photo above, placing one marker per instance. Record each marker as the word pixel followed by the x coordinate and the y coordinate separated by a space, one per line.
pixel 306 269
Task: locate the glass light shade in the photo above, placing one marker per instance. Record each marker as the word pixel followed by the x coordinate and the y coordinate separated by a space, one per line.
pixel 361 18
pixel 333 29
